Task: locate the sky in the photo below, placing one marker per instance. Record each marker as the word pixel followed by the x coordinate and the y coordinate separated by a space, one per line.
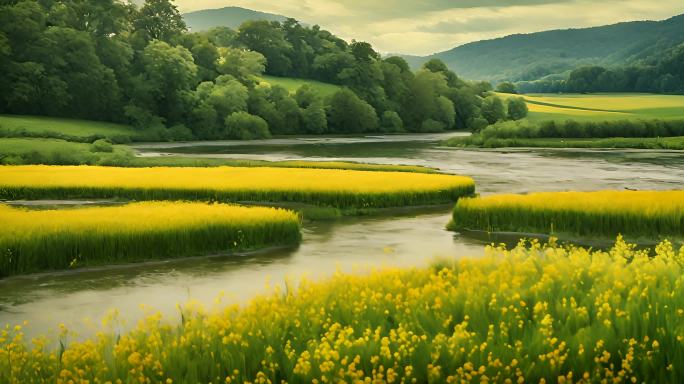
pixel 422 27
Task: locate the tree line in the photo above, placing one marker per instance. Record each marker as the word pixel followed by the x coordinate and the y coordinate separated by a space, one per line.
pixel 114 61
pixel 664 75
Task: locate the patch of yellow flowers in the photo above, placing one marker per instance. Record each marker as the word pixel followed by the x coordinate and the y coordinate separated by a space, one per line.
pixel 36 240
pixel 608 213
pixel 531 314
pixel 331 187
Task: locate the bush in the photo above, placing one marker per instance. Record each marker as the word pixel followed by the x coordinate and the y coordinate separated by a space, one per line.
pixel 431 125
pixel 391 122
pixel 243 126
pixel 180 133
pixel 102 145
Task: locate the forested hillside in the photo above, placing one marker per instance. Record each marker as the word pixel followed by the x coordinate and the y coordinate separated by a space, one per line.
pixel 526 57
pixel 231 17
pixel 661 73
pixel 114 61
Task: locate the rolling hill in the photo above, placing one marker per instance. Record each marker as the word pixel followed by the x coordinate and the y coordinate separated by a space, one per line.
pixel 536 55
pixel 225 17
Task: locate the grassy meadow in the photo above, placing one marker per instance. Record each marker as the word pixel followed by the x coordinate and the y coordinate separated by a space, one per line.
pixel 182 161
pixel 657 143
pixel 60 152
pixel 43 240
pixel 70 129
pixel 639 214
pixel 324 187
pixel 292 85
pixel 38 151
pixel 530 314
pixel 599 107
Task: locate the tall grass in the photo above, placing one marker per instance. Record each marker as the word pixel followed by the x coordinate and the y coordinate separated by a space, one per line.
pixel 325 187
pixel 526 315
pixel 604 213
pixel 58 239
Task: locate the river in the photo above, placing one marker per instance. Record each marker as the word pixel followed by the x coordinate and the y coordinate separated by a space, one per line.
pixel 79 299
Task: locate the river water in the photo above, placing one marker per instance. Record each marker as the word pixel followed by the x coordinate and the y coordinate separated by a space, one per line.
pixel 79 299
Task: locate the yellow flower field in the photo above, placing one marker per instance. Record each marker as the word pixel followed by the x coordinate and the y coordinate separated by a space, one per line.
pixel 529 315
pixel 331 187
pixel 636 213
pixel 56 239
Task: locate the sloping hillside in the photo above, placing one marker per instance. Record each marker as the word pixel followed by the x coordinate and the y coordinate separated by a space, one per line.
pixel 533 56
pixel 225 17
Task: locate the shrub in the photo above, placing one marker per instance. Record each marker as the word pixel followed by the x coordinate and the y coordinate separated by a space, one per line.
pixel 102 145
pixel 243 126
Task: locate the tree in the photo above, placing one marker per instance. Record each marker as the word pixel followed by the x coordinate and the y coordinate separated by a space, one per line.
pixel 315 119
pixel 168 72
pixel 268 39
pixel 517 108
pixel 306 95
pixel 159 20
pixel 391 122
pixel 243 65
pixel 227 96
pixel 493 109
pixel 243 126
pixel 506 87
pixel 347 113
pixel 426 101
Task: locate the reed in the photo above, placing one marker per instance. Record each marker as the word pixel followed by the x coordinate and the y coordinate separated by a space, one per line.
pixel 604 213
pixel 42 240
pixel 324 187
pixel 532 314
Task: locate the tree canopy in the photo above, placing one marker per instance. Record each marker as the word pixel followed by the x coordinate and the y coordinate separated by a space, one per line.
pixel 112 60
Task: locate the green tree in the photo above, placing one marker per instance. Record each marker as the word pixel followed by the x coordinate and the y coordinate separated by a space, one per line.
pixel 268 39
pixel 506 87
pixel 517 108
pixel 159 20
pixel 315 119
pixel 243 126
pixel 347 113
pixel 493 109
pixel 243 65
pixel 169 74
pixel 391 122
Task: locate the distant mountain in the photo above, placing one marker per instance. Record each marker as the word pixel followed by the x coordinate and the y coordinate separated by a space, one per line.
pixel 536 55
pixel 225 17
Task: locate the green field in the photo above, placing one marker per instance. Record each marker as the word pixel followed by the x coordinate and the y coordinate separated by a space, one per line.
pixel 61 152
pixel 53 127
pixel 34 151
pixel 292 85
pixel 668 143
pixel 595 107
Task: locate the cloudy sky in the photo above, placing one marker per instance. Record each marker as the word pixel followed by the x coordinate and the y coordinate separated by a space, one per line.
pixel 428 26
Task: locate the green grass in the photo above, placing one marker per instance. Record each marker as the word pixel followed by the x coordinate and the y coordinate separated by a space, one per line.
pixel 30 151
pixel 40 240
pixel 668 143
pixel 532 314
pixel 292 85
pixel 182 161
pixel 69 129
pixel 638 214
pixel 600 107
pixel 17 151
